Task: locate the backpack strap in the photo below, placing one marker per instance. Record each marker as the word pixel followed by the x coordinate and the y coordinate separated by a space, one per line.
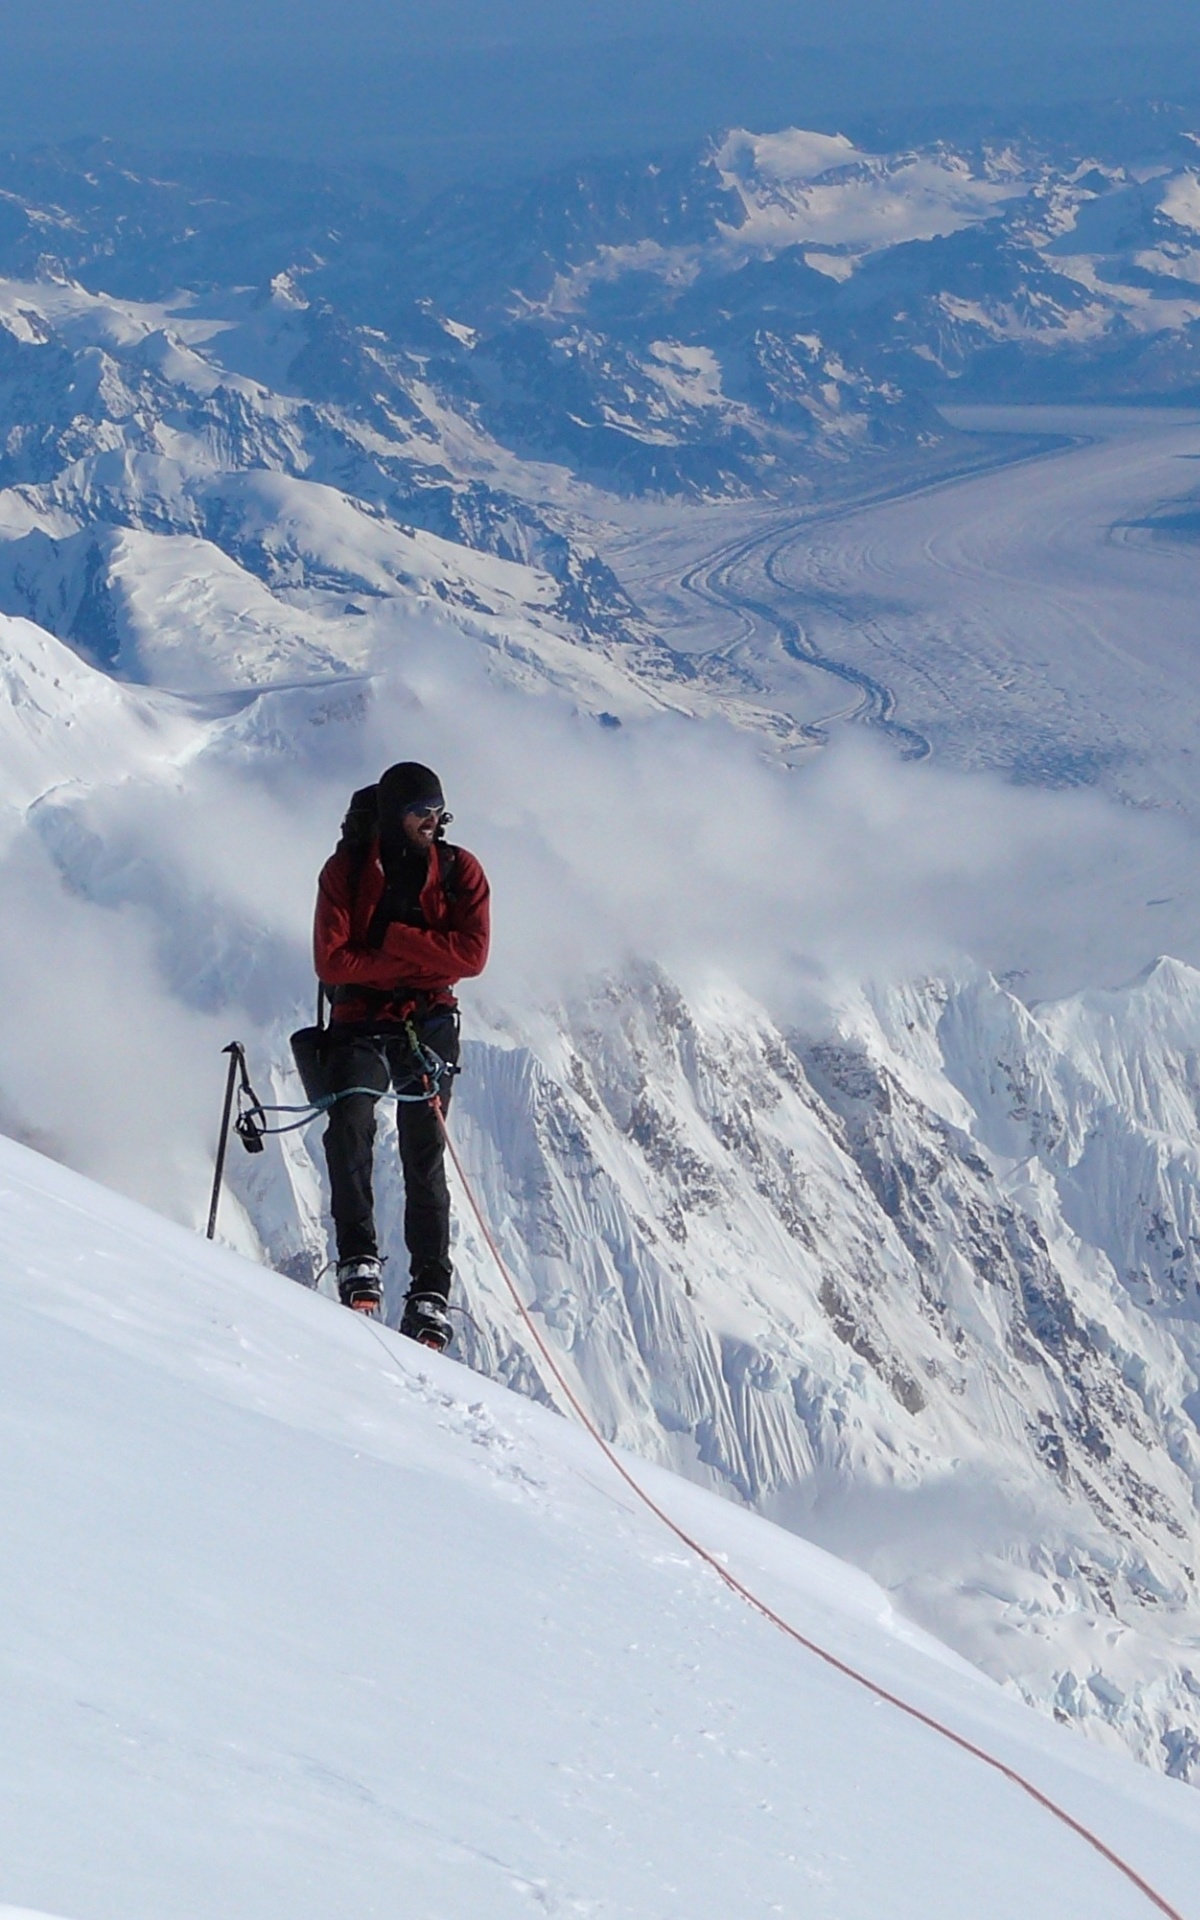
pixel 448 871
pixel 359 828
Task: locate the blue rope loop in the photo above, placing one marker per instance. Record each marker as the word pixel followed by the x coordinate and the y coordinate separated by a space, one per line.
pixel 251 1123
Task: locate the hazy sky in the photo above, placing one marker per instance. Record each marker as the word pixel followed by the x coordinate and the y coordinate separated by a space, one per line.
pixel 475 86
pixel 444 22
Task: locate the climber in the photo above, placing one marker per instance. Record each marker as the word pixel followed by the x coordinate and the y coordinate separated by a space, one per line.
pixel 401 917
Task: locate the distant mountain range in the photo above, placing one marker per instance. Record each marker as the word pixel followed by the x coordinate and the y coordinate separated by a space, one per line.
pixel 767 314
pixel 745 316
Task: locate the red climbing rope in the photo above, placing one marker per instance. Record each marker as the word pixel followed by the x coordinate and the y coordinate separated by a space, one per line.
pixel 760 1606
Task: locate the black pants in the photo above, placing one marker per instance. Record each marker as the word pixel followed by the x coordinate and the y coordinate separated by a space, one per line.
pixel 365 1057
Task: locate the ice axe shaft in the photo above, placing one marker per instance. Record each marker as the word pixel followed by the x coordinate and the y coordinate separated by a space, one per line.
pixel 236 1058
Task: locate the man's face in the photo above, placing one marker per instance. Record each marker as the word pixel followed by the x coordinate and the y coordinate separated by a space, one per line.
pixel 421 824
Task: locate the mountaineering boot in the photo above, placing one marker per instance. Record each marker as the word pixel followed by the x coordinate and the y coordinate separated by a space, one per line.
pixel 360 1283
pixel 427 1321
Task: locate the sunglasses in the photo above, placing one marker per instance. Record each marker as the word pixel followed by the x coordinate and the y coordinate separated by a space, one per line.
pixel 426 809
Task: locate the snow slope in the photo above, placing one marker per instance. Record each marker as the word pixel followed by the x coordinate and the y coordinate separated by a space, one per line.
pixel 300 1619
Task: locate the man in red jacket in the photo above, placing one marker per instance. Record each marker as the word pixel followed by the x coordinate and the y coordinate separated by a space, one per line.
pixel 401 918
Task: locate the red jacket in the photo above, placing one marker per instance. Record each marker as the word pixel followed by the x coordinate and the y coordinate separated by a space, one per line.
pixel 412 962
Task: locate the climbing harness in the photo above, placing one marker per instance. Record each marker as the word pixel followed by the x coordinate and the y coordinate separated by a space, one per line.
pixel 250 1117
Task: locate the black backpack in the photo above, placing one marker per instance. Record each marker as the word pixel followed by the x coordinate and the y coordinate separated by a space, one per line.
pixel 361 824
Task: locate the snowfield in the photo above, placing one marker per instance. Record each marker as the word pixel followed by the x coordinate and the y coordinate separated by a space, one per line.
pixel 301 1619
pixel 797 187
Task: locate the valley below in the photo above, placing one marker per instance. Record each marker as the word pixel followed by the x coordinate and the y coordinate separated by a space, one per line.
pixel 1037 619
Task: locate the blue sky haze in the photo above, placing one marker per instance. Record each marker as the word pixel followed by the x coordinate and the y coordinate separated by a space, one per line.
pixel 466 86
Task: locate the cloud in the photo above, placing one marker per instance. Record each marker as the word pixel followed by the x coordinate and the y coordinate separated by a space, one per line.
pixel 153 918
pixel 100 1064
pixel 679 841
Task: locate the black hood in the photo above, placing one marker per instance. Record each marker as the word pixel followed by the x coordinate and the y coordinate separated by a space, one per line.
pixel 405 785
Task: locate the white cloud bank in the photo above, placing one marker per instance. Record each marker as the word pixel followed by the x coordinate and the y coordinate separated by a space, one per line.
pixel 156 915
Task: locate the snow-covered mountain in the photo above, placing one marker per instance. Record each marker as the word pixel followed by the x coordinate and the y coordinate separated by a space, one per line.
pixel 924 1287
pixel 803 274
pixel 919 1280
pixel 183 522
pixel 301 1619
pixel 771 313
pixel 911 1268
pixel 749 315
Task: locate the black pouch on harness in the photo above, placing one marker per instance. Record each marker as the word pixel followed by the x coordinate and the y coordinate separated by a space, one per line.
pixel 310 1051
